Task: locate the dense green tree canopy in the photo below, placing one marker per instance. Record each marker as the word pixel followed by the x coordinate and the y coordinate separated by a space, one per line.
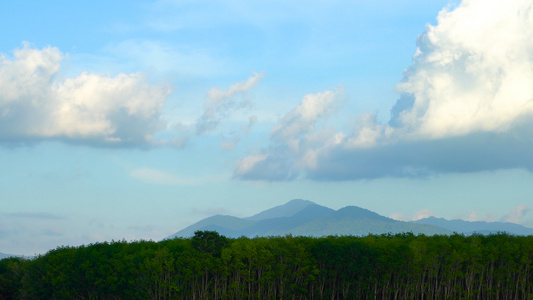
pixel 211 266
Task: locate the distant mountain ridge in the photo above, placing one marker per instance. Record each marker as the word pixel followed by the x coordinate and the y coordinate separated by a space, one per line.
pixel 3 255
pixel 289 209
pixel 304 217
pixel 482 227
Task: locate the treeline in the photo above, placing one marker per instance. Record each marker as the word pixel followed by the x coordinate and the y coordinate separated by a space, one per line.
pixel 210 266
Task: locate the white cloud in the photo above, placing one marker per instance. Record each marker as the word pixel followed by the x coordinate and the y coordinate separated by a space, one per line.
pixel 472 72
pixel 303 119
pixel 221 103
pixel 397 216
pixel 367 133
pixel 296 140
pixel 466 106
pixel 421 214
pixel 219 106
pixel 247 164
pixel 472 216
pixel 36 103
pixel 517 215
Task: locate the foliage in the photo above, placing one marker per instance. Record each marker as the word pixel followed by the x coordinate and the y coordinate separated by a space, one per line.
pixel 209 242
pixel 211 266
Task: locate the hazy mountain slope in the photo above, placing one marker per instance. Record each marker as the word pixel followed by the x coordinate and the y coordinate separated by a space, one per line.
pixel 302 217
pixel 355 212
pixel 286 210
pixel 235 227
pixel 284 225
pixel 3 255
pixel 353 220
pixel 219 223
pixel 467 227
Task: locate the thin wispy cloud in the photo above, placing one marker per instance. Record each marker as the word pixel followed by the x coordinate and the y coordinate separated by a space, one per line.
pixel 220 104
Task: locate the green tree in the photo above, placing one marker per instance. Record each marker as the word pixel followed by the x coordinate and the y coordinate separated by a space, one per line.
pixel 209 242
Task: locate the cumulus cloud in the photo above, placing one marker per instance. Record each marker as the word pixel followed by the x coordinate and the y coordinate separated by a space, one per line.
pixel 472 72
pixel 466 105
pixel 221 103
pixel 36 103
pixel 517 215
pixel 296 140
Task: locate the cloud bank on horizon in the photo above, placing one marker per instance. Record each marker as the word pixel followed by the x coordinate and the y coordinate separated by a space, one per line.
pixel 466 105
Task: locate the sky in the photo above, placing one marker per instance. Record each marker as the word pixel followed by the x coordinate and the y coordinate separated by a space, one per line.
pixel 130 120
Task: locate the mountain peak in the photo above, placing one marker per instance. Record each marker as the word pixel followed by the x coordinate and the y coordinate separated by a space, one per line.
pixel 360 213
pixel 286 210
pixel 299 202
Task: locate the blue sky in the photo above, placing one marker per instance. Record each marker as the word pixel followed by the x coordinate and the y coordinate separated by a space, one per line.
pixel 134 119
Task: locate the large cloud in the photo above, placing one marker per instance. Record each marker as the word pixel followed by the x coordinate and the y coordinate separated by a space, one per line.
pixel 466 106
pixel 472 72
pixel 36 103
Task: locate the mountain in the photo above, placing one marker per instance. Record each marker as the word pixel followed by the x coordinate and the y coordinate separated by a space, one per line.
pixel 3 255
pixel 482 227
pixel 303 217
pixel 353 220
pixel 286 224
pixel 289 209
pixel 225 225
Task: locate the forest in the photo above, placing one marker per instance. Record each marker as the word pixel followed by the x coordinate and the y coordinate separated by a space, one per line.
pixel 211 266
